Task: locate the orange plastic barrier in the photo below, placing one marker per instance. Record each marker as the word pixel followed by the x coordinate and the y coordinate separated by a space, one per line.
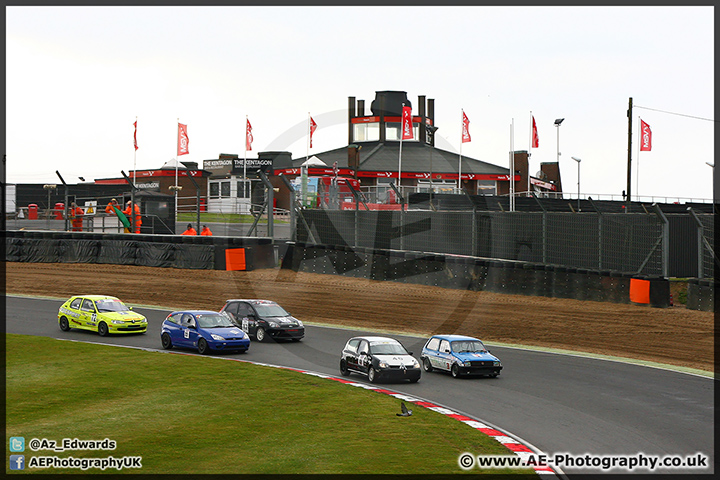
pixel 639 290
pixel 235 259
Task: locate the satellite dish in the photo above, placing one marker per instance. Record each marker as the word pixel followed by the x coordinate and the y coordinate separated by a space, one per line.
pixel 541 175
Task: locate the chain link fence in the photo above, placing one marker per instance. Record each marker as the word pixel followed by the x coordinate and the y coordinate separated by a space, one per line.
pixel 618 242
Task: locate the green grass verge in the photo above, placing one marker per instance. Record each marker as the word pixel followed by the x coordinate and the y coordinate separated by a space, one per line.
pixel 192 415
pixel 222 218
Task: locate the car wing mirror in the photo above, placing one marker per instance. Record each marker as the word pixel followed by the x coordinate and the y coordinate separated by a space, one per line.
pixel 410 353
pixel 363 352
pixel 447 350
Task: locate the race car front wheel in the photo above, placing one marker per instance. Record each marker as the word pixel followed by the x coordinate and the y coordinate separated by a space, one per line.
pixel 455 370
pixel 344 371
pixel 102 329
pixel 427 366
pixel 372 375
pixel 260 334
pixel 202 346
pixel 64 325
pixel 166 341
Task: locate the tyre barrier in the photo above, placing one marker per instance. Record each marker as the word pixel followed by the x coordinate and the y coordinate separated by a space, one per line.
pixel 477 274
pixel 168 251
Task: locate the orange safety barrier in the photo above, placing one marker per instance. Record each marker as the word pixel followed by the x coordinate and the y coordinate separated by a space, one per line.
pixel 235 259
pixel 639 290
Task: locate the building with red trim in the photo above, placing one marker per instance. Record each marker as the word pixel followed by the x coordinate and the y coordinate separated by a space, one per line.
pixel 373 156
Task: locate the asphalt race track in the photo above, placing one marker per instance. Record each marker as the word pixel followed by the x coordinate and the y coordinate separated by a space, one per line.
pixel 558 403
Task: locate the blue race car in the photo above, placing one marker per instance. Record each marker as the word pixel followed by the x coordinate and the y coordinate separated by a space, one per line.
pixel 459 355
pixel 203 329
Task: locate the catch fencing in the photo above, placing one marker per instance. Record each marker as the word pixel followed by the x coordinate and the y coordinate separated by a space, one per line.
pixel 628 242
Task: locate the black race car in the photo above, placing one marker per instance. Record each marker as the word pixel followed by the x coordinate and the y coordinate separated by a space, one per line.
pixel 379 358
pixel 264 319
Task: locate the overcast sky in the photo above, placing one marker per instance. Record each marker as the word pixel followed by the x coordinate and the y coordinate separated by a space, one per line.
pixel 77 78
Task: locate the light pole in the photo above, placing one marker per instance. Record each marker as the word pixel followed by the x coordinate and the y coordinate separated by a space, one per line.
pixel 557 125
pixel 49 187
pixel 578 162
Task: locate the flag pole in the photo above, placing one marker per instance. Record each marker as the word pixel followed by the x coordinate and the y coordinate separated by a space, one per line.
pixel 176 171
pixel 512 165
pixel 637 162
pixel 400 153
pixel 527 192
pixel 462 123
pixel 245 185
pixel 307 140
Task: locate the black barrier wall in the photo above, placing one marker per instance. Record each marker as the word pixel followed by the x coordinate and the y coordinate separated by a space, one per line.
pixel 167 251
pixel 469 273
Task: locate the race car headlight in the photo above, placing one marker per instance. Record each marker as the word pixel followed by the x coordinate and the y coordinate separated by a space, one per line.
pixel 217 337
pixel 383 365
pixel 273 325
pixel 118 322
pixel 415 364
pixel 300 324
pixel 496 364
pixel 467 364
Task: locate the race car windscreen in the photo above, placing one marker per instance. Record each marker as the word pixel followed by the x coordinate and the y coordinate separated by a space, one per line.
pixel 215 320
pixel 270 310
pixel 387 348
pixel 467 346
pixel 110 306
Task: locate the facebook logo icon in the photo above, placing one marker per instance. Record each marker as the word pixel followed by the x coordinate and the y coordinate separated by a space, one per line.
pixel 17 462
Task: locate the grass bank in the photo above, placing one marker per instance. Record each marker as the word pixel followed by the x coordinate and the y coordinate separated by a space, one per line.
pixel 187 414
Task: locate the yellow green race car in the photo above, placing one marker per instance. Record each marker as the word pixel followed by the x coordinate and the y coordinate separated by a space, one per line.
pixel 100 313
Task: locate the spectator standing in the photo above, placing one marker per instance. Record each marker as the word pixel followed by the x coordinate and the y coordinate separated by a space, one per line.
pixel 75 214
pixel 190 230
pixel 135 220
pixel 110 209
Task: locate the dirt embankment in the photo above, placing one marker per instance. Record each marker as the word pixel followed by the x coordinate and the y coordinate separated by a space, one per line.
pixel 675 335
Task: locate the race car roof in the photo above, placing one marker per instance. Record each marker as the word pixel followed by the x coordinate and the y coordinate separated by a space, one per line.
pixel 453 338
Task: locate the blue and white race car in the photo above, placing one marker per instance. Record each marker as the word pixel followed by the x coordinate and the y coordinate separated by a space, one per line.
pixel 459 355
pixel 204 330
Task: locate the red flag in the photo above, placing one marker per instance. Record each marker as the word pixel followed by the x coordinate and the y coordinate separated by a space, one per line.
pixel 645 137
pixel 313 127
pixel 135 135
pixel 407 131
pixel 465 129
pixel 183 141
pixel 248 136
pixel 535 138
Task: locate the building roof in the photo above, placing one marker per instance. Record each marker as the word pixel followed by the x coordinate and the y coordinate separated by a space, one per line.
pixel 416 157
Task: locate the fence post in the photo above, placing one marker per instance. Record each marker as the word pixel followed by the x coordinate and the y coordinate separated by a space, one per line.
pixel 544 227
pixel 665 252
pixel 600 223
pixel 270 194
pixel 700 237
pixel 402 216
